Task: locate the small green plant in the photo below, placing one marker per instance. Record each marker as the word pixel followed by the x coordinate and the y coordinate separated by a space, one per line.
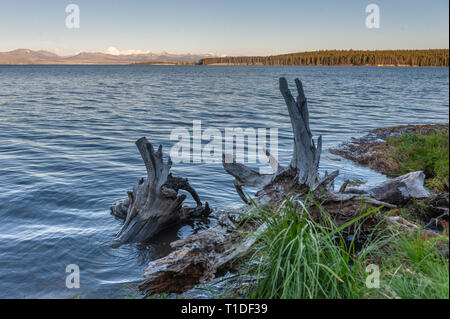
pixel 428 153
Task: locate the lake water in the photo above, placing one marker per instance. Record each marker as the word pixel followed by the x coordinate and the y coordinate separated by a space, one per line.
pixel 67 151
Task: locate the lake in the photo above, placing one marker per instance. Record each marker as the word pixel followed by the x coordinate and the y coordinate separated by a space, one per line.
pixel 67 151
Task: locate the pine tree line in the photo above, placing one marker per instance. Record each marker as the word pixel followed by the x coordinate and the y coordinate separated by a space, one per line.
pixel 432 57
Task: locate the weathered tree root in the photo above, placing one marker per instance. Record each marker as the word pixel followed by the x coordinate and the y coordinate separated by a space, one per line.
pixel 439 223
pixel 198 258
pixel 154 204
pixel 302 173
pixel 409 227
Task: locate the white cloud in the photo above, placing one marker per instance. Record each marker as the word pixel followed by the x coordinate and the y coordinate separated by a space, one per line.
pixel 114 51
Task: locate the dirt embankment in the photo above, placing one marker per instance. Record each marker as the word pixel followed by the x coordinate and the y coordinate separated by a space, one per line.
pixel 373 151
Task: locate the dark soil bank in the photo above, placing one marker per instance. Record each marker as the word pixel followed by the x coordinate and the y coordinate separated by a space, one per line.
pixel 373 151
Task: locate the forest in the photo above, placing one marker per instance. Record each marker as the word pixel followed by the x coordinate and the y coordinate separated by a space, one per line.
pixel 432 57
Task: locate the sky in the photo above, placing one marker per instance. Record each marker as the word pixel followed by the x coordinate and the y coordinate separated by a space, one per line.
pixel 225 27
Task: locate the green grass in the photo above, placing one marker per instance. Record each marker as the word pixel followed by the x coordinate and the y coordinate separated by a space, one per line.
pixel 412 268
pixel 428 153
pixel 298 258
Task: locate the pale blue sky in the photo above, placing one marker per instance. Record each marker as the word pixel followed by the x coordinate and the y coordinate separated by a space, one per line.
pixel 252 27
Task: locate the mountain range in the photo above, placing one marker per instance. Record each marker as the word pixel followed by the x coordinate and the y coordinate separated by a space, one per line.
pixel 26 56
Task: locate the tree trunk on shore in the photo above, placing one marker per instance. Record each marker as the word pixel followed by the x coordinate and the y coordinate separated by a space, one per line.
pixel 302 173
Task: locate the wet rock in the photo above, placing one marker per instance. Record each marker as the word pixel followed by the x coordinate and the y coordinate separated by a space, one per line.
pixel 120 208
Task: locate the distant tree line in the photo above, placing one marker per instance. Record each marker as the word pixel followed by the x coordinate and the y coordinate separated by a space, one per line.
pixel 166 63
pixel 438 57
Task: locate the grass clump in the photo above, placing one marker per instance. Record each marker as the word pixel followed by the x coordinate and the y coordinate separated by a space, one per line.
pixel 298 258
pixel 428 153
pixel 412 268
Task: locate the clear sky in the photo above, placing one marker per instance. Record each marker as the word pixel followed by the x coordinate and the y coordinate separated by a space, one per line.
pixel 244 27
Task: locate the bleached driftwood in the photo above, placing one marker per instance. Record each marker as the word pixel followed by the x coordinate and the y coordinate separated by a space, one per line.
pixel 401 189
pixel 154 204
pixel 395 191
pixel 198 258
pixel 302 173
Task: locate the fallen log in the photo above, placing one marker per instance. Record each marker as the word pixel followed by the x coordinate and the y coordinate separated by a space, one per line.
pixel 154 204
pixel 398 190
pixel 401 189
pixel 197 258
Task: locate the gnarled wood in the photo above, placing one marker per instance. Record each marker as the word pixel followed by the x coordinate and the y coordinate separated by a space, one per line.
pixel 306 155
pixel 302 173
pixel 398 190
pixel 154 204
pixel 197 258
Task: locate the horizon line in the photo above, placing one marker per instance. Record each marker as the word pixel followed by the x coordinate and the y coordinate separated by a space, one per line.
pixel 213 54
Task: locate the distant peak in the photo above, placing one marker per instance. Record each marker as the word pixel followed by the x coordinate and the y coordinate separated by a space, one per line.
pixel 111 56
pixel 27 51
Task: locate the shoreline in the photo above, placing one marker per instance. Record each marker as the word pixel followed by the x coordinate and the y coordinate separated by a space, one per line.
pixel 216 64
pixel 322 65
pixel 425 216
pixel 421 220
pixel 371 149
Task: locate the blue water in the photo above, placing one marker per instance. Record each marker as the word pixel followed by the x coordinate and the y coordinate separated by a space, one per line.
pixel 67 151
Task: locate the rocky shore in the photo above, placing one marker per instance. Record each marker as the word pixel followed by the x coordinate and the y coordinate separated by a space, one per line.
pixel 377 150
pixel 373 151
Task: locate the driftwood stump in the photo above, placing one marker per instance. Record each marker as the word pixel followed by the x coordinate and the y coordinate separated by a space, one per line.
pixel 302 174
pixel 154 204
